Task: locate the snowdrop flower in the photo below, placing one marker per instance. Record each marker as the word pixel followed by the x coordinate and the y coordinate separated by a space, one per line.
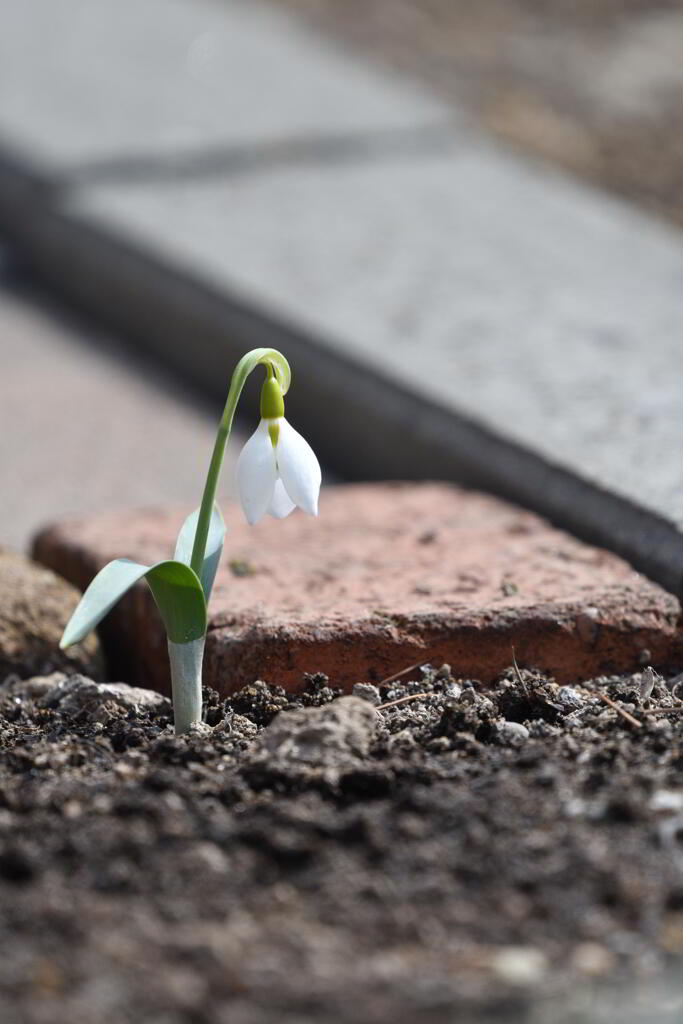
pixel 276 471
pixel 277 468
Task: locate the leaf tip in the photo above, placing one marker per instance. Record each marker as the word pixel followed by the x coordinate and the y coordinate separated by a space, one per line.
pixel 69 637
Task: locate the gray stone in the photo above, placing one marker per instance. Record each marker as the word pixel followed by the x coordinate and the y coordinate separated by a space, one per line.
pixel 35 605
pixel 520 965
pixel 239 726
pixel 111 85
pixel 513 733
pixel 325 740
pixel 570 698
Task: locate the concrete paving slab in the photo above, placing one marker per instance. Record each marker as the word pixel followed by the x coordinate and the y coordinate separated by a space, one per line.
pixel 85 426
pixel 482 287
pixel 461 315
pixel 88 81
pixel 388 576
pixel 547 312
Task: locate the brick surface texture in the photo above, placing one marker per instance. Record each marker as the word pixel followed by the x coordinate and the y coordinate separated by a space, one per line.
pixel 388 576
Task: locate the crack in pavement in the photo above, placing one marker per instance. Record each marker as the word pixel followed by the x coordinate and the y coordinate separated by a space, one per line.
pixel 233 160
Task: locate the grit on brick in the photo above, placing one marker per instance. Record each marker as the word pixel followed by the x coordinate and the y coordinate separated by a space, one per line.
pixel 389 575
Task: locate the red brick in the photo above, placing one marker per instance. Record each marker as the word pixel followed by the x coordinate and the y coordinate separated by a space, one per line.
pixel 389 575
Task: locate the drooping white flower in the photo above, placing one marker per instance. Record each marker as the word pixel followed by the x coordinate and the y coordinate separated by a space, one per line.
pixel 277 468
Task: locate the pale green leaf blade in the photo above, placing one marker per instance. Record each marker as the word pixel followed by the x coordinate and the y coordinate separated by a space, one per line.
pixel 214 546
pixel 180 598
pixel 108 586
pixel 185 541
pixel 176 589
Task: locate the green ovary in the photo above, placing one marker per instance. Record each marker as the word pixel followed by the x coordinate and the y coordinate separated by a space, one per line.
pixel 272 404
pixel 274 433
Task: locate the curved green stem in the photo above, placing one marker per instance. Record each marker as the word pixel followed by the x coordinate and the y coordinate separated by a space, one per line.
pixel 276 363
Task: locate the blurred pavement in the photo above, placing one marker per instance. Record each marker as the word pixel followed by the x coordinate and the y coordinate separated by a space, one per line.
pixel 208 177
pixel 88 425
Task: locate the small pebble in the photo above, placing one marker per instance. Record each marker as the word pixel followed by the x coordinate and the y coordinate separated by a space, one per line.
pixel 452 690
pixel 570 698
pixel 592 959
pixel 519 965
pixel 485 704
pixel 513 733
pixel 667 801
pixel 439 745
pixel 366 691
pixel 210 856
pixel 199 729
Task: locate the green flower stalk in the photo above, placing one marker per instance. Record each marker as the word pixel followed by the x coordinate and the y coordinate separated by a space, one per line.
pixel 276 471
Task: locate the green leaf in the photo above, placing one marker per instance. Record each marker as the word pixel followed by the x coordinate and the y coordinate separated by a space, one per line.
pixel 214 546
pixel 180 598
pixel 176 589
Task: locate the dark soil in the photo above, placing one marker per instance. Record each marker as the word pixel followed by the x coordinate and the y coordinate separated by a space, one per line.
pixel 459 856
pixel 595 86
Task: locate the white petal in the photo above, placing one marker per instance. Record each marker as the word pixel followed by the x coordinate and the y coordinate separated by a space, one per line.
pixel 256 473
pixel 280 503
pixel 298 468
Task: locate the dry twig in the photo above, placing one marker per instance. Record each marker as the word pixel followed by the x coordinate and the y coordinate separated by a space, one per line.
pixel 397 675
pixel 517 672
pixel 402 700
pixel 620 711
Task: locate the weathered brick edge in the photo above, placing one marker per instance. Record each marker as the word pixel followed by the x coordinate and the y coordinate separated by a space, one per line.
pixel 568 640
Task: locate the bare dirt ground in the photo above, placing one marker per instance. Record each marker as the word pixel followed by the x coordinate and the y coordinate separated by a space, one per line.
pixel 595 86
pixel 422 851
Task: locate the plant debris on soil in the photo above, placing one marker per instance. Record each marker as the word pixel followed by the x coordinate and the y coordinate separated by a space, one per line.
pixel 421 850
